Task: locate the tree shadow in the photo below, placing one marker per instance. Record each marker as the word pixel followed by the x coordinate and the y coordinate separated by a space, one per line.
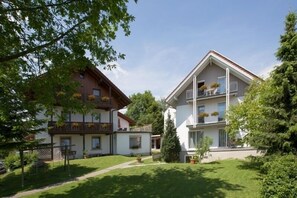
pixel 40 177
pixel 159 182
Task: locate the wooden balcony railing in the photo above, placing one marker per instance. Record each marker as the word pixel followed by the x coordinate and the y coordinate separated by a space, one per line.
pixel 79 128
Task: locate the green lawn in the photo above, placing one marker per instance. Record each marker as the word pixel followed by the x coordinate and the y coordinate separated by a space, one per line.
pixel 229 178
pixel 53 173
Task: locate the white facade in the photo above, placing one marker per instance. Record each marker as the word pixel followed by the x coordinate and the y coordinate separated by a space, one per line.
pixel 197 109
pixel 123 124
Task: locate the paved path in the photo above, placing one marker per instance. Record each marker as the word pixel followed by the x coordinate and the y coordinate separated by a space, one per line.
pixel 89 175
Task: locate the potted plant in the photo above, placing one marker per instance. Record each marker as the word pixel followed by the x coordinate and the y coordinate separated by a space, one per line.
pixel 60 93
pixel 90 125
pixel 104 126
pixel 193 159
pixel 91 97
pixel 203 87
pixel 75 124
pixel 203 114
pixel 215 113
pixel 214 85
pixel 105 98
pixel 77 95
pixel 138 158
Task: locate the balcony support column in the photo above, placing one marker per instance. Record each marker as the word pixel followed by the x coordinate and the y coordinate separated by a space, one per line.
pixel 194 101
pixel 84 143
pixel 227 91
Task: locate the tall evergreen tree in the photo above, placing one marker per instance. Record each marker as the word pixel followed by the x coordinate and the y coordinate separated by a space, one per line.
pixel 170 145
pixel 269 110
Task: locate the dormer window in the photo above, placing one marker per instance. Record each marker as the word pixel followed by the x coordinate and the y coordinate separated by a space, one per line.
pixel 81 75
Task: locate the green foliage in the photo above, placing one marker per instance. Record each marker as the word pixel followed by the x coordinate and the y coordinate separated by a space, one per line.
pixel 12 161
pixel 203 147
pixel 144 109
pixel 30 157
pixel 268 111
pixel 170 145
pixel 42 43
pixel 281 177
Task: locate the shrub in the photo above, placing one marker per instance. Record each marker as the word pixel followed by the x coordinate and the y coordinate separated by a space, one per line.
pixel 281 177
pixel 29 158
pixel 12 161
pixel 203 147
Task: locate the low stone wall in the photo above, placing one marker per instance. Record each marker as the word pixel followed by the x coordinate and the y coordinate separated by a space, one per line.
pixel 221 154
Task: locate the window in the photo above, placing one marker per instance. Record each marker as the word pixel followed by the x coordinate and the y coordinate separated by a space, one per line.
pixel 66 116
pixel 134 141
pixel 194 138
pixel 223 138
pixel 221 110
pixel 96 117
pixel 65 141
pixel 96 92
pixel 222 82
pixel 200 110
pixel 96 143
pixel 81 75
pixel 200 91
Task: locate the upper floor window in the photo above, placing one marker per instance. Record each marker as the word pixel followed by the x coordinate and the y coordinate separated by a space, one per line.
pixel 66 116
pixel 200 111
pixel 222 82
pixel 96 117
pixel 221 110
pixel 81 75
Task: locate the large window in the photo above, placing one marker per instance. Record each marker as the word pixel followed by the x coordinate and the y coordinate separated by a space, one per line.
pixel 194 138
pixel 96 117
pixel 221 109
pixel 96 143
pixel 66 116
pixel 65 141
pixel 223 138
pixel 222 87
pixel 134 141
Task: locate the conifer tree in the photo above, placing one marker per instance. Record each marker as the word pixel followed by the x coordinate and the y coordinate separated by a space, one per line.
pixel 170 145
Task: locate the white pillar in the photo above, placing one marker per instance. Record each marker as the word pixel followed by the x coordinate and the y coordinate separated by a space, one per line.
pixel 194 101
pixel 227 91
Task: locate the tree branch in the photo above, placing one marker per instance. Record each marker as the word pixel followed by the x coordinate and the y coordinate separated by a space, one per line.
pixel 38 7
pixel 23 53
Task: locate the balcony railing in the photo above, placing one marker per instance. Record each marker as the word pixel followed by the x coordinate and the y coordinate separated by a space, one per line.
pixel 79 128
pixel 211 92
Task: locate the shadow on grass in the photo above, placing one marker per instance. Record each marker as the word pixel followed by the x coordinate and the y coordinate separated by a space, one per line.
pixel 39 177
pixel 251 163
pixel 161 182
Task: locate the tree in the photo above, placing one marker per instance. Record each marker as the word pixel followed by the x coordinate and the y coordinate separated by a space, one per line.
pixel 170 145
pixel 144 109
pixel 42 43
pixel 269 110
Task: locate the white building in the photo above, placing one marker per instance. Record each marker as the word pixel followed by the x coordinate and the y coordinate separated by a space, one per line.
pixel 202 99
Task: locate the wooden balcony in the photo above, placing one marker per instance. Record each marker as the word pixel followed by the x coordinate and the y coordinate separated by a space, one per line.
pixel 79 128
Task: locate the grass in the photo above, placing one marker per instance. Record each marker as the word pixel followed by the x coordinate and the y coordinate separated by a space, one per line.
pixel 229 178
pixel 54 172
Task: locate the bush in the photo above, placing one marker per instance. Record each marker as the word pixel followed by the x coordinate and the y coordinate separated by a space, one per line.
pixel 12 161
pixel 281 177
pixel 203 147
pixel 29 158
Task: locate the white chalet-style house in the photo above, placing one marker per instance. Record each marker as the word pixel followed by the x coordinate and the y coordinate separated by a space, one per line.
pixel 202 99
pixel 103 130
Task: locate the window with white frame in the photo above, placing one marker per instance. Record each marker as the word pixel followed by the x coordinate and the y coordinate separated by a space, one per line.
pixel 96 143
pixel 222 83
pixel 194 138
pixel 221 110
pixel 96 117
pixel 135 141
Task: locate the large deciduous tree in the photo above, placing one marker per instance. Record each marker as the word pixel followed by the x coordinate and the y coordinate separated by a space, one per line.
pixel 269 110
pixel 144 109
pixel 42 43
pixel 170 145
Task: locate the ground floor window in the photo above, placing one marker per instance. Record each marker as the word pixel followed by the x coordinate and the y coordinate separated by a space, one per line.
pixel 96 143
pixel 223 138
pixel 134 141
pixel 194 138
pixel 65 141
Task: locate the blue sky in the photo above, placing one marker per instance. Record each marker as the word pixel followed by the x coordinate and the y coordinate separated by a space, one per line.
pixel 169 37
